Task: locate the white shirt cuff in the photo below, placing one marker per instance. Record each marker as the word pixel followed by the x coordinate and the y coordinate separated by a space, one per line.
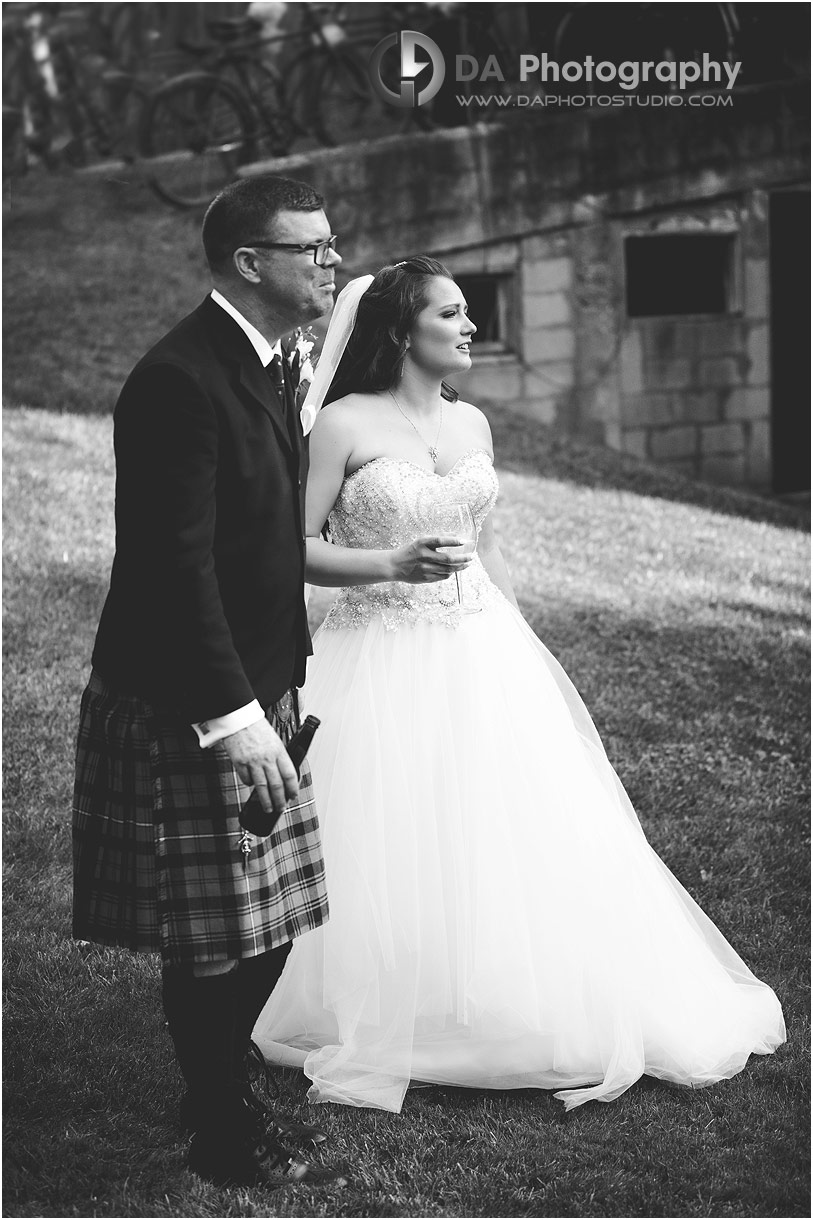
pixel 211 731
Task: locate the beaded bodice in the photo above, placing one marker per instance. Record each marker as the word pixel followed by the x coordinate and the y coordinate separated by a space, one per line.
pixel 385 504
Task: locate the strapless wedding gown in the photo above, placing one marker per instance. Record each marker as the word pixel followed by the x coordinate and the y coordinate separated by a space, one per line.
pixel 497 918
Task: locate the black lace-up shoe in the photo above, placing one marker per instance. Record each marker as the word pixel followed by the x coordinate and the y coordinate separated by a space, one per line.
pixel 254 1161
pixel 232 1148
pixel 298 1135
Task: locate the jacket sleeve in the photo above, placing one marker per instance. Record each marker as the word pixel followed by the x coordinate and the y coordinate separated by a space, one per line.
pixel 167 440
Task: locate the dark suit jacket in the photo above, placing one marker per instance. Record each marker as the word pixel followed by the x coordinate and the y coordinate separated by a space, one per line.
pixel 205 610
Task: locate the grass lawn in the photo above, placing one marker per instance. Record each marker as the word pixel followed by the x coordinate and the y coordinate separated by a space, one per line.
pixel 680 612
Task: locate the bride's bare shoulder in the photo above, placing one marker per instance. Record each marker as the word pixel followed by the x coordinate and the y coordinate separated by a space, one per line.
pixel 345 417
pixel 354 402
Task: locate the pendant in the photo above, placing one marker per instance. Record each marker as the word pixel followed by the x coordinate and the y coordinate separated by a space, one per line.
pixel 433 453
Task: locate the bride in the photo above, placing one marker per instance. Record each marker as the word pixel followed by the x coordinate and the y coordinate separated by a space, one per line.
pixel 498 919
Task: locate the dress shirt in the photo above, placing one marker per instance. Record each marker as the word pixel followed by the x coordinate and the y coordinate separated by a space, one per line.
pixel 211 731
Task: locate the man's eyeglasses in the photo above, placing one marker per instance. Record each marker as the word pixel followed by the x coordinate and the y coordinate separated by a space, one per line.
pixel 320 249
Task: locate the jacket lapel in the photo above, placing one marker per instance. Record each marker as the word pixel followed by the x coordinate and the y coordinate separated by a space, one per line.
pixel 256 382
pixel 251 380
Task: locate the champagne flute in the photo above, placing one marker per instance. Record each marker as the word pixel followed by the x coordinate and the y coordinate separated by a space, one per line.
pixel 456 519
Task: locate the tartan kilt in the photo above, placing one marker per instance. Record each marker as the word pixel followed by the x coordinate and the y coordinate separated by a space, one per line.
pixel 157 866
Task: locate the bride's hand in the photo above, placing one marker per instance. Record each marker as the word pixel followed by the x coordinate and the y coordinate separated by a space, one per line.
pixel 421 563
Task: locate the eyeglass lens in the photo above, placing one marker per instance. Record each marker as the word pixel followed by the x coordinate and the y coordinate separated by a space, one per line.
pixel 320 252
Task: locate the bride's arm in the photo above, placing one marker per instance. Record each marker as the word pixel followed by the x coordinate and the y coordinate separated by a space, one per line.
pixel 331 449
pixel 491 558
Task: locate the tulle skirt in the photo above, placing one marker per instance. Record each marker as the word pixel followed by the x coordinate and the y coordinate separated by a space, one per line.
pixel 498 919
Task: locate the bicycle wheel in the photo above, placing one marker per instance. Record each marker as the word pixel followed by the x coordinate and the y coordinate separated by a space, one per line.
pixel 277 128
pixel 195 131
pixel 344 108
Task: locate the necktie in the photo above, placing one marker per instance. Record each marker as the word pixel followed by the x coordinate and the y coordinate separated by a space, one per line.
pixel 274 370
pixel 285 395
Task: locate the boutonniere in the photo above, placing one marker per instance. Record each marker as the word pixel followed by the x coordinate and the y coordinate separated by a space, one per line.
pixel 300 362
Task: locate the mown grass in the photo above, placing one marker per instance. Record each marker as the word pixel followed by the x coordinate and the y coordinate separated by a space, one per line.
pixel 679 611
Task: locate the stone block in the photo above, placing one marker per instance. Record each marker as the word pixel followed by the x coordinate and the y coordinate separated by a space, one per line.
pixel 635 441
pixel 687 466
pixel 667 443
pixel 648 409
pixel 745 402
pixel 552 309
pixel 759 454
pixel 613 437
pixel 549 377
pixel 631 363
pixel 722 438
pixel 545 275
pixel 728 470
pixel 667 338
pixel 758 352
pixel 548 343
pixel 757 288
pixel 699 406
pixel 722 371
pixel 721 337
pixel 668 374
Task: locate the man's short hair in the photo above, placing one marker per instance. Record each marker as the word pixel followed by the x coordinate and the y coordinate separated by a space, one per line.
pixel 246 210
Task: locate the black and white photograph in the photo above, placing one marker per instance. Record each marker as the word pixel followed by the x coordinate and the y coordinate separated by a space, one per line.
pixel 406 609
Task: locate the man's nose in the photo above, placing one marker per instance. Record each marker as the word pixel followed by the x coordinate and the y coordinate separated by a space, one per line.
pixel 335 258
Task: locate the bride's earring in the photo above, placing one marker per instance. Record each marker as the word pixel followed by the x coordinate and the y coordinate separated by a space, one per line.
pixel 399 363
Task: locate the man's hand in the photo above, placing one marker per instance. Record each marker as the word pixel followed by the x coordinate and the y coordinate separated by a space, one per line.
pixel 260 759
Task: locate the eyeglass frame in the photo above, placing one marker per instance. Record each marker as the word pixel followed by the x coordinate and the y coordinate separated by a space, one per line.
pixel 329 243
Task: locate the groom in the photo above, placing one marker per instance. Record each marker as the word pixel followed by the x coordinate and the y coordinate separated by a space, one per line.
pixel 201 646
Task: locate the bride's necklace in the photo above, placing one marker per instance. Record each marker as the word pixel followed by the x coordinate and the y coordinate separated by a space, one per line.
pixel 433 449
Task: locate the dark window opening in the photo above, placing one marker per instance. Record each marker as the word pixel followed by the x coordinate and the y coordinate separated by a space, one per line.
pixel 679 274
pixel 487 297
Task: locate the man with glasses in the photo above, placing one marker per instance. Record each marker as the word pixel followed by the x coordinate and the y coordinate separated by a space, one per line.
pixel 200 649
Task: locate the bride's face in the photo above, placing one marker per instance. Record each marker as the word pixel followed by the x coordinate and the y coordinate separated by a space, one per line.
pixel 440 335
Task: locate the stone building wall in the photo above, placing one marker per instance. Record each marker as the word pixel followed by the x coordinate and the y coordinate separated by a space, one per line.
pixel 545 204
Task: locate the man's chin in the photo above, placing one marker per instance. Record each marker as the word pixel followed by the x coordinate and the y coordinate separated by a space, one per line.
pixel 324 302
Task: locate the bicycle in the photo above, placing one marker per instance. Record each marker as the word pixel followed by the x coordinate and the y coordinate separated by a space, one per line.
pixel 64 102
pixel 29 92
pixel 199 127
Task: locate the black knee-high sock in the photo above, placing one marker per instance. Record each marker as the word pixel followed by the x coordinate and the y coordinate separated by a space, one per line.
pixel 256 979
pixel 202 1017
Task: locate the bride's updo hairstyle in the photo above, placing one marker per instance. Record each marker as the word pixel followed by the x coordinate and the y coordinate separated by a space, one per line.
pixel 374 356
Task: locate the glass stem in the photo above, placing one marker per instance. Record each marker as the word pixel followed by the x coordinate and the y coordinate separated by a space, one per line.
pixel 459 594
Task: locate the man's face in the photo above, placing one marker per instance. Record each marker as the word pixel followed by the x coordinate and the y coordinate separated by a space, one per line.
pixel 294 289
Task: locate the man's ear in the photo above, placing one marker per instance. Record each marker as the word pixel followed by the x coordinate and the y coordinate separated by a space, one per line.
pixel 246 264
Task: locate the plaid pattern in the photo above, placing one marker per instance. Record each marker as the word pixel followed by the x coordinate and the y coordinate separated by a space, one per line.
pixel 157 866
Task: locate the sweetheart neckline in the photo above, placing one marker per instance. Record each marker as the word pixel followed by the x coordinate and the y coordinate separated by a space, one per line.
pixel 406 462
